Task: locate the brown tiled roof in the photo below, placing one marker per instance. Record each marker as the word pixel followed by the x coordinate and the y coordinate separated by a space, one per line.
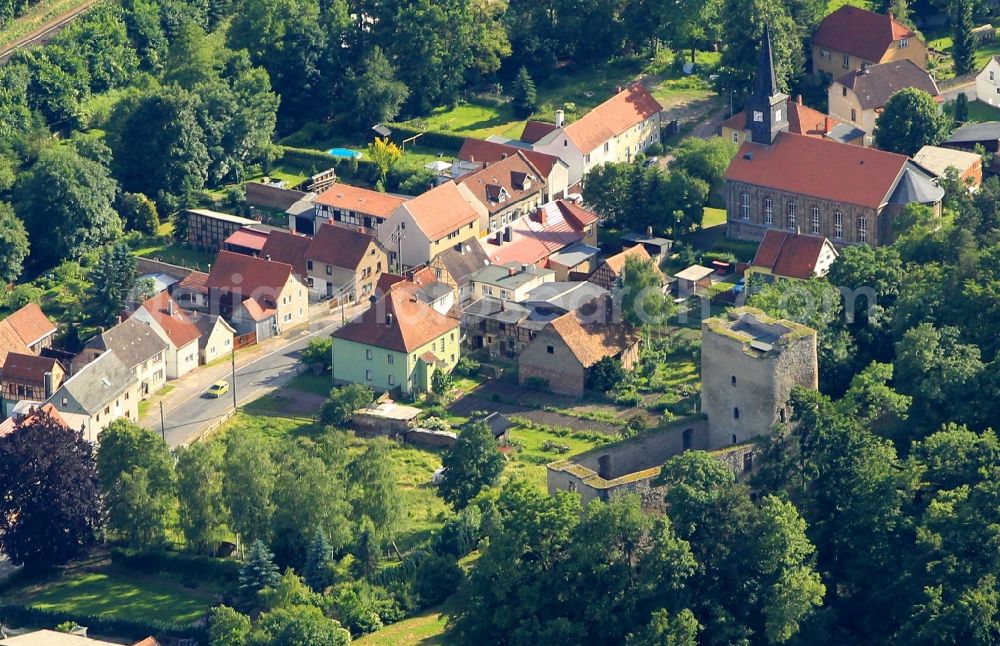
pixel 10 341
pixel 414 323
pixel 876 84
pixel 819 168
pixel 177 326
pixel 289 248
pixel 591 342
pixel 860 33
pixel 802 120
pixel 387 280
pixel 789 254
pixel 535 130
pixel 630 107
pixel 361 200
pixel 508 176
pixel 617 262
pixel 27 368
pixel 488 152
pixel 195 282
pixel 31 324
pixel 247 238
pixel 8 425
pixel 463 260
pixel 339 246
pixel 441 210
pixel 246 274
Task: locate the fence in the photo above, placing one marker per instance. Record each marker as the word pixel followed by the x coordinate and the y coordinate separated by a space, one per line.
pixel 244 340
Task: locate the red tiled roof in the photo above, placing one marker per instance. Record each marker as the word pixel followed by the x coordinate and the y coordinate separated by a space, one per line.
pixel 441 210
pixel 236 272
pixel 339 246
pixel 535 130
pixel 248 239
pixel 802 120
pixel 256 311
pixel 172 318
pixel 27 368
pixel 413 324
pixel 631 106
pixel 789 254
pixel 819 168
pixel 537 236
pixel 860 33
pixel 361 200
pixel 509 175
pixel 488 152
pixel 31 324
pixel 592 342
pixel 8 425
pixel 10 341
pixel 387 280
pixel 288 248
pixel 195 282
pixel 617 262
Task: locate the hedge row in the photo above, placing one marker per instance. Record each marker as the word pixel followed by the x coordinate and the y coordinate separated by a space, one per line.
pixel 195 566
pixel 21 616
pixel 428 139
pixel 311 158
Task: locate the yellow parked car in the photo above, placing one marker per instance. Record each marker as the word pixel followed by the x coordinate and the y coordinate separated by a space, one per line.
pixel 218 389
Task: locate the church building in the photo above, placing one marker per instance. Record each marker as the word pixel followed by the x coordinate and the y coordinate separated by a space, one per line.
pixel 782 180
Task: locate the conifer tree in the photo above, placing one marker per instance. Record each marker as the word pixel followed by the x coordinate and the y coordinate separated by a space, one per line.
pixel 316 571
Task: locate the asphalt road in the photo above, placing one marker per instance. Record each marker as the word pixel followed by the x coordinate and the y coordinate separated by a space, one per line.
pixel 185 419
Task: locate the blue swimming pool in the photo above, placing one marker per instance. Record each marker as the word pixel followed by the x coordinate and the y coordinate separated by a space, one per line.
pixel 345 153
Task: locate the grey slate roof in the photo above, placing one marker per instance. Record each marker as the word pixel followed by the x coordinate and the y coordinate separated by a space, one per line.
pixel 876 83
pixel 574 254
pixel 132 341
pixel 494 308
pixel 916 186
pixel 564 295
pixel 973 132
pixel 462 264
pixel 98 383
pixel 845 132
pixel 500 275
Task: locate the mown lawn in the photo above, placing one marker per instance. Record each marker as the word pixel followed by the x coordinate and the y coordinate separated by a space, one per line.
pixel 310 383
pixel 120 595
pixel 979 111
pixel 163 247
pixel 713 217
pixel 425 629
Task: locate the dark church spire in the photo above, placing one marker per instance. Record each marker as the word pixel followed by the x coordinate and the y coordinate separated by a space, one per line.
pixel 767 108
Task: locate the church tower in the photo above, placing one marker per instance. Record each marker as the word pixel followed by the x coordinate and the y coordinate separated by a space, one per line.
pixel 766 109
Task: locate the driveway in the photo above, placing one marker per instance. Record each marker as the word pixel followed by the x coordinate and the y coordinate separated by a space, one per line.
pixel 187 412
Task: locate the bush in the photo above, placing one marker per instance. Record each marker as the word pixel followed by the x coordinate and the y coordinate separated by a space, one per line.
pixel 438 577
pixel 461 533
pixel 319 352
pixel 193 566
pixel 635 425
pixel 429 139
pixel 16 615
pixel 626 396
pixel 339 409
pixel 605 374
pixel 467 367
pixel 655 149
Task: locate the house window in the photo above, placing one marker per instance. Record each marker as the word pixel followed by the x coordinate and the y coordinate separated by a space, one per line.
pixel 843 91
pixel 734 438
pixel 824 54
pixel 847 62
pixel 736 412
pixel 550 349
pixel 745 206
pixel 368 375
pixel 838 225
pixel 814 221
pixel 329 270
pixel 565 142
pixel 607 146
pixel 368 354
pixel 736 137
pixel 993 76
pixel 854 115
pixel 392 380
pixel 768 211
pixel 733 378
pixel 791 216
pixel 309 265
pixel 862 229
pixel 388 358
pixel 903 43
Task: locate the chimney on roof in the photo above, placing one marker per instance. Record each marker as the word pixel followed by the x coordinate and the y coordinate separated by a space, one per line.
pixel 170 307
pixel 499 240
pixel 540 216
pixel 329 220
pixel 507 234
pixel 388 319
pixel 512 271
pixel 828 125
pixel 649 231
pixel 798 100
pixel 560 118
pixel 618 89
pixel 267 257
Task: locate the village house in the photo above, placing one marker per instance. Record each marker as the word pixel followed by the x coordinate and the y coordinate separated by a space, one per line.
pixel 208 230
pixel 136 345
pixel 256 295
pixel 26 331
pixel 609 273
pixel 353 207
pixel 397 344
pixel 508 282
pixel 20 418
pixel 988 82
pixel 476 154
pixel 248 240
pixel 535 237
pixel 788 254
pixel 430 223
pixel 456 265
pixel 192 291
pixel 848 194
pixel 217 336
pixel 693 280
pixel 289 248
pixel 802 120
pixel 967 165
pixel 345 263
pixel 971 135
pixel 508 189
pixel 575 262
pixel 561 353
pixel 859 97
pixel 615 131
pixel 172 324
pixel 850 38
pixel 101 392
pixel 28 377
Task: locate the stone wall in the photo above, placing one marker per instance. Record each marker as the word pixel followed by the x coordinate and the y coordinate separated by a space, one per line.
pixel 271 197
pixel 149 266
pixel 425 437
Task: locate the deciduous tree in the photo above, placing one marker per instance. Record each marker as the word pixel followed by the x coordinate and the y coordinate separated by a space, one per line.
pixel 470 465
pixel 13 244
pixel 199 492
pixel 910 120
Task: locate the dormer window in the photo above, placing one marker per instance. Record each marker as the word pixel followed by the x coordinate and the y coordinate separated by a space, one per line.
pixel 903 43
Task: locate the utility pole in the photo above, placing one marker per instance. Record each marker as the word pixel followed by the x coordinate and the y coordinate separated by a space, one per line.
pixel 232 358
pixel 163 430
